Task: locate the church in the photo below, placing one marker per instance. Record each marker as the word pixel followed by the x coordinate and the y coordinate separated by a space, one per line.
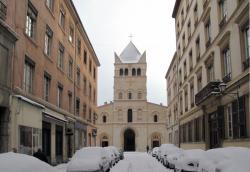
pixel 130 122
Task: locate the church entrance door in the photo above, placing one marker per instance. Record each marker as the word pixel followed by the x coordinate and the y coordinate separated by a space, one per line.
pixel 129 140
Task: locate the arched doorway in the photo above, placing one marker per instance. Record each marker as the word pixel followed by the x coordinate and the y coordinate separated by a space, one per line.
pixel 129 140
pixel 105 141
pixel 156 140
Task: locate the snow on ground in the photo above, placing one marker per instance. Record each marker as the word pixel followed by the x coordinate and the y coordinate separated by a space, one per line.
pixel 136 162
pixel 61 167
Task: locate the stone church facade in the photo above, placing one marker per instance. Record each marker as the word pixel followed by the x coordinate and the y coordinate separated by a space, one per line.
pixel 130 122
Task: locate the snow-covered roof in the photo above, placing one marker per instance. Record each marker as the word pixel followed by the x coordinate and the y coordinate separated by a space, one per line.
pixel 130 54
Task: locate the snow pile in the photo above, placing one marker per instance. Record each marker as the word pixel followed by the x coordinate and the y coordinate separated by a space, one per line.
pixel 14 162
pixel 228 159
pixel 61 167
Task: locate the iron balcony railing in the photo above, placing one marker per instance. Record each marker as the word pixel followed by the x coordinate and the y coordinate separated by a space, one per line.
pixel 212 88
pixel 3 10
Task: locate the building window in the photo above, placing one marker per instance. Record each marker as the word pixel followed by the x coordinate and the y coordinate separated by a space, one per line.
pixel 197 137
pixel 121 72
pixel 190 60
pixel 133 72
pixel 62 14
pixel 90 66
pixel 120 95
pixel 195 15
pixel 90 115
pixel 60 59
pixel 155 118
pixel 246 36
pixel 229 120
pixel 48 41
pixel 186 99
pixel 50 4
pixel 223 9
pixel 104 119
pixel 239 118
pixel 77 106
pixel 31 19
pixel 28 75
pixel 84 85
pixel 138 72
pixel 197 48
pixel 70 69
pixel 185 69
pixel 71 34
pixel 129 95
pixel 130 115
pixel 210 70
pixel 126 72
pixel 189 29
pixel 181 104
pixel 180 77
pixel 226 64
pixel 90 91
pixel 190 132
pixel 47 79
pixel 78 77
pixel 208 32
pixel 85 57
pixel 84 109
pixel 79 46
pixel 59 95
pixel 192 93
pixel 70 101
pixel 30 140
pixel 94 73
pixel 199 80
pixel 139 95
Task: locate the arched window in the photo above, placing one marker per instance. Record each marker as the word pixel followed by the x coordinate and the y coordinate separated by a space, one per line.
pixel 120 95
pixel 129 95
pixel 133 72
pixel 130 115
pixel 139 72
pixel 139 95
pixel 126 72
pixel 104 119
pixel 155 118
pixel 121 72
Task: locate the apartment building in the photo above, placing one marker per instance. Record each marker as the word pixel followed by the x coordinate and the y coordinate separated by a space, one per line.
pixel 213 42
pixel 51 100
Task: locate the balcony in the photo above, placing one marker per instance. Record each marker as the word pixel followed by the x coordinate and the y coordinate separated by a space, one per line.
pixel 246 63
pixel 3 10
pixel 212 88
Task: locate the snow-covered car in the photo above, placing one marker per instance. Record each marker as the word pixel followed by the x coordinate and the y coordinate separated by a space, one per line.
pixel 121 154
pixel 229 159
pixel 116 153
pixel 162 151
pixel 172 159
pixel 187 161
pixel 169 151
pixel 15 162
pixel 89 159
pixel 111 156
pixel 155 152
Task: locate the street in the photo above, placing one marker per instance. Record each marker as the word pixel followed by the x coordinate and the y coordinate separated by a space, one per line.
pixel 139 162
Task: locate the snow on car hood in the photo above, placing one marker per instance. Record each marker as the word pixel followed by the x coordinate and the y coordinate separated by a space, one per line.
pixel 15 162
pixel 84 164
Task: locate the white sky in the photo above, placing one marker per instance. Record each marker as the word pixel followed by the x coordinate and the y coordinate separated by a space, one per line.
pixel 108 24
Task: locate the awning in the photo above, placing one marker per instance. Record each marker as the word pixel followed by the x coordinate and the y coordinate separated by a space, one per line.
pixel 54 115
pixel 29 101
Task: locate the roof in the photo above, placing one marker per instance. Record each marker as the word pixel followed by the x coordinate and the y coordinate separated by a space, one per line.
pixel 130 54
pixel 176 8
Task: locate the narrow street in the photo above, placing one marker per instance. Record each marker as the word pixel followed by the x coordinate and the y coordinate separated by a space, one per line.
pixel 139 162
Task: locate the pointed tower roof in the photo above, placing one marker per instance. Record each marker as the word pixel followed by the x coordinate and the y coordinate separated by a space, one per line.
pixel 130 54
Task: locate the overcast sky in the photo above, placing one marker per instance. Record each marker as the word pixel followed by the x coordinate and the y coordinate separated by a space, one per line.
pixel 109 23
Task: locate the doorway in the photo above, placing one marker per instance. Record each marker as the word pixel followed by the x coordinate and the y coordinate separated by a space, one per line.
pixel 129 140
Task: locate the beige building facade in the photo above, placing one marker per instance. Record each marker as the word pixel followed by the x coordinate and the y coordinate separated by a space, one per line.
pixel 212 66
pixel 130 122
pixel 48 79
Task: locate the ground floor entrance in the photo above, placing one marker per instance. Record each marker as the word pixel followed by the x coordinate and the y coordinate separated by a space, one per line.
pixel 129 140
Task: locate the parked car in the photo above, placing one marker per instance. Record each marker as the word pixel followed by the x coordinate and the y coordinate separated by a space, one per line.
pixel 187 161
pixel 172 159
pixel 89 159
pixel 155 152
pixel 164 150
pixel 15 162
pixel 111 156
pixel 116 153
pixel 169 151
pixel 121 154
pixel 229 159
